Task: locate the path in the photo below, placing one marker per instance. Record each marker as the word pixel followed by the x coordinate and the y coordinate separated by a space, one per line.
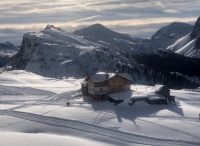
pixel 128 137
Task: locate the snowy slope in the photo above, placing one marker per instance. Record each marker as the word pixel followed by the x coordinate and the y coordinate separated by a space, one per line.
pixel 47 121
pixel 49 51
pixel 189 45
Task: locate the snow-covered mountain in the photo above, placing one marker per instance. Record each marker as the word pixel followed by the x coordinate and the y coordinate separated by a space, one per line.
pixel 188 45
pixel 7 50
pixel 164 37
pixel 174 30
pixel 108 38
pixel 56 53
pixel 99 33
pixel 160 40
pixel 53 52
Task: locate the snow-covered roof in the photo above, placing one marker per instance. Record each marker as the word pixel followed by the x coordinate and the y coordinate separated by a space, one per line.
pixel 158 87
pixel 156 97
pixel 98 77
pixel 126 76
pixel 101 77
pixel 139 96
pixel 121 95
pixel 132 95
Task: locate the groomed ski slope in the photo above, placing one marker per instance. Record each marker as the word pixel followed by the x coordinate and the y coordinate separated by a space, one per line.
pixel 34 105
pixel 128 137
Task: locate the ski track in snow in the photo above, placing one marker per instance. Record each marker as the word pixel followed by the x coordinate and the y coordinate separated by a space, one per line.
pixel 128 137
pixel 172 129
pixel 9 90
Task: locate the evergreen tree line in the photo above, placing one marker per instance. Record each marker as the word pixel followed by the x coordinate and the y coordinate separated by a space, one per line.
pixel 173 70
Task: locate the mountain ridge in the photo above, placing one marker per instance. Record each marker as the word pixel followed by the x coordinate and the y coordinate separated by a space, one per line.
pixel 188 45
pixel 56 53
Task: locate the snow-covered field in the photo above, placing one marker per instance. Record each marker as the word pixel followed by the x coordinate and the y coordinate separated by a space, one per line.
pixel 33 112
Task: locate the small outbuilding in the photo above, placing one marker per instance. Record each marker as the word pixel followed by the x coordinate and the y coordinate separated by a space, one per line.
pixel 162 90
pixel 164 93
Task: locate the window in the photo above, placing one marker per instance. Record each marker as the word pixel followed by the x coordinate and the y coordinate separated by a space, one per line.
pixel 101 89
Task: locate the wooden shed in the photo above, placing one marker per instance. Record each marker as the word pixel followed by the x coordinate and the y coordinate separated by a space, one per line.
pixel 162 90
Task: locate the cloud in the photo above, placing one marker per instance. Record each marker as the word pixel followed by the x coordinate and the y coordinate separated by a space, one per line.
pixel 135 15
pixel 125 22
pixel 84 19
pixel 170 11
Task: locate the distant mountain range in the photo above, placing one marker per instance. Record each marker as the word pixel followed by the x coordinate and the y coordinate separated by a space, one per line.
pixel 160 40
pixel 7 50
pixel 56 53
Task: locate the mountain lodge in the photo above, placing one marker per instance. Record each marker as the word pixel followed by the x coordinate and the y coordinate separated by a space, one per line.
pixel 100 85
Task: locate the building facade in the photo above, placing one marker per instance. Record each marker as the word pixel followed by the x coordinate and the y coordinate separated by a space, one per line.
pixel 99 85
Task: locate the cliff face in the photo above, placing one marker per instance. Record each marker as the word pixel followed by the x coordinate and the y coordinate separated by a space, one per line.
pixel 20 60
pixel 196 35
pixel 196 30
pixel 189 45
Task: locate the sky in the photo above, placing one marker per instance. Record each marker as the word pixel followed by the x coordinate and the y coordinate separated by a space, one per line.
pixel 138 18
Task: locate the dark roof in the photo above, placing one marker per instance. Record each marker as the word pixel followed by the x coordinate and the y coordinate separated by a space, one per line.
pixel 126 76
pixel 159 87
pixel 101 77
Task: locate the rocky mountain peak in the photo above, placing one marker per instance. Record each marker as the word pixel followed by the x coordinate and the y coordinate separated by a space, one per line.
pixel 97 25
pixel 52 27
pixel 97 29
pixel 174 30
